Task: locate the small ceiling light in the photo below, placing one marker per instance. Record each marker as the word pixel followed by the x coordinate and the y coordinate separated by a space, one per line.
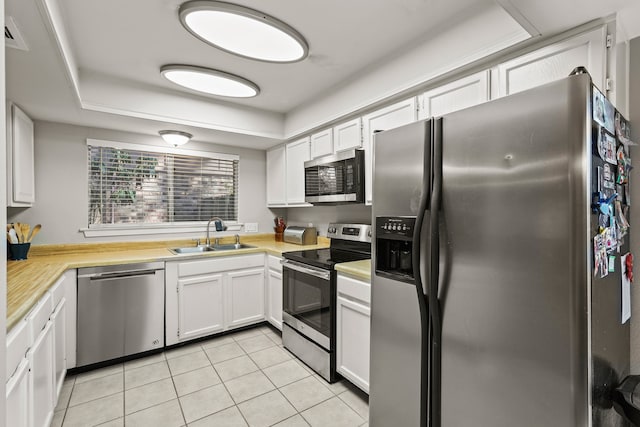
pixel 175 137
pixel 243 31
pixel 210 81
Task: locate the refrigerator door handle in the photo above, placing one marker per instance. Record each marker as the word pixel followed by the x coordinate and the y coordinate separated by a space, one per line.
pixel 435 351
pixel 420 289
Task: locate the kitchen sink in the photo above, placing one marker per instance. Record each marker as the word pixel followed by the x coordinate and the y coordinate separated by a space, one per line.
pixel 203 248
pixel 231 246
pixel 192 250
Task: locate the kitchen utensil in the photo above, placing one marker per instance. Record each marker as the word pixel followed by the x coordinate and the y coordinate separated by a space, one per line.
pixel 35 231
pixel 24 228
pixel 13 236
pixel 17 229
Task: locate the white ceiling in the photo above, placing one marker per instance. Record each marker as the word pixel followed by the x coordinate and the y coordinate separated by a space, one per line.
pixel 96 63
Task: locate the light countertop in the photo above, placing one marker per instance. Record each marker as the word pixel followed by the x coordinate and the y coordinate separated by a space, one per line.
pixel 357 269
pixel 28 280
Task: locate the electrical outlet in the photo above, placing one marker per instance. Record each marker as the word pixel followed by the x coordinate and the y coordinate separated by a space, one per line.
pixel 251 227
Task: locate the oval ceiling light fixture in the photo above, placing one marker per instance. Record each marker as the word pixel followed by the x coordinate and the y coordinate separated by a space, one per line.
pixel 175 137
pixel 209 81
pixel 243 31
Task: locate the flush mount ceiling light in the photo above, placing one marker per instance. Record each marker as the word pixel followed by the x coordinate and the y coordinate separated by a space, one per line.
pixel 210 81
pixel 243 31
pixel 175 137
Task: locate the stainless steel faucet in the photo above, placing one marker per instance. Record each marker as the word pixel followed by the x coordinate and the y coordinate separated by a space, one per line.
pixel 237 239
pixel 213 218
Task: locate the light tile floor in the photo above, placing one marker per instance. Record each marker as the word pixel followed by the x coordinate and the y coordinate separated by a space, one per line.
pixel 242 379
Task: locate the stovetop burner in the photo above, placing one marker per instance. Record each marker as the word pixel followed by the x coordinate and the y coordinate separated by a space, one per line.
pixel 349 242
pixel 325 258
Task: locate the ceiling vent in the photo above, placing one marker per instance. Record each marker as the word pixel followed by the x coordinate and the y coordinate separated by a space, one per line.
pixel 12 36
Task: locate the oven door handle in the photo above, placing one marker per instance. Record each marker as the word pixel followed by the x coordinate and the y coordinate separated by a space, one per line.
pixel 312 271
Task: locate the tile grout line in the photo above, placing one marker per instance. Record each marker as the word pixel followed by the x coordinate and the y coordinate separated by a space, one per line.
pixel 225 387
pixel 177 395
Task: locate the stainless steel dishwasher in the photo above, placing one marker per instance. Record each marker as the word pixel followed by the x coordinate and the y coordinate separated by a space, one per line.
pixel 120 311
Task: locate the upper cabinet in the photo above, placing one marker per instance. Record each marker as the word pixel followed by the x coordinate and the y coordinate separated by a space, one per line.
pixel 463 93
pixel 20 158
pixel 390 117
pixel 348 135
pixel 276 176
pixel 322 143
pixel 285 164
pixel 555 62
pixel 285 173
pixel 298 152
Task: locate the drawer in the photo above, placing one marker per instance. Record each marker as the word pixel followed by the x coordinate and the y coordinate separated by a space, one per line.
pixel 354 289
pixel 57 291
pixel 39 316
pixel 274 263
pixel 17 345
pixel 216 265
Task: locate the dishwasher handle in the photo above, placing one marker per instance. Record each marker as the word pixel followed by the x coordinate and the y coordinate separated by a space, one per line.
pixel 121 274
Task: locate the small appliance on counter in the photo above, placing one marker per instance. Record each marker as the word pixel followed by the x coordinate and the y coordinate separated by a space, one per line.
pixel 301 235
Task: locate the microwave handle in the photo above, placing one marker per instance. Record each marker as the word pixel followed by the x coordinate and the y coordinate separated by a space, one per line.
pixel 316 272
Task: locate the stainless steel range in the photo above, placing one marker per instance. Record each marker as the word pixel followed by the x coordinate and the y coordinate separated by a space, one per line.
pixel 309 295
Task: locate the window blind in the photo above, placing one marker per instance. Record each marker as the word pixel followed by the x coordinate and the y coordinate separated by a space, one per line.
pixel 130 186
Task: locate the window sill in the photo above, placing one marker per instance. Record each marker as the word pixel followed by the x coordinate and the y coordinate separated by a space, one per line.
pixel 150 229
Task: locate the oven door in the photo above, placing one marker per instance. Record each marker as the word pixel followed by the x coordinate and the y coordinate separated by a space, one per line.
pixel 308 301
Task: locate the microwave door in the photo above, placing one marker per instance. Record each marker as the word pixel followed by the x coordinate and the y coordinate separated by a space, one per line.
pixel 329 178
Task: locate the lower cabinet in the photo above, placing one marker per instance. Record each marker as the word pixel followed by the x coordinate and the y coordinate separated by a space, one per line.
pixel 18 395
pixel 200 306
pixel 353 316
pixel 245 297
pixel 207 296
pixel 42 376
pixel 273 301
pixel 37 349
pixel 58 321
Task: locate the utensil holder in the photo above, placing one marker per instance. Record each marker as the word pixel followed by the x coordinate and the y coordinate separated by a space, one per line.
pixel 18 251
pixel 279 234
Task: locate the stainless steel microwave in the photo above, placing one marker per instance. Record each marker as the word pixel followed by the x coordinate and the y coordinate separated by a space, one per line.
pixel 335 179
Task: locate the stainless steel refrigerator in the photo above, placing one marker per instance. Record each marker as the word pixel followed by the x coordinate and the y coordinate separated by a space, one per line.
pixel 486 310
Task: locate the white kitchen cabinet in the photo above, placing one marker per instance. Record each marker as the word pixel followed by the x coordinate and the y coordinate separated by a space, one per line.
pixel 42 378
pixel 322 143
pixel 348 135
pixel 18 374
pixel 69 280
pixel 211 295
pixel 276 176
pixel 20 158
pixel 273 302
pixel 353 330
pixel 58 320
pixel 398 114
pixel 555 62
pixel 463 93
pixel 200 306
pixel 298 152
pixel 18 395
pixel 245 297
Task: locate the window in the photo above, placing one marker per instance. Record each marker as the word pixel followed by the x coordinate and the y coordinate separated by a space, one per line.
pixel 137 184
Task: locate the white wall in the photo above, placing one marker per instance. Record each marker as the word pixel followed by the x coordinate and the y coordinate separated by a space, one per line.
pixel 634 117
pixel 321 216
pixel 61 183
